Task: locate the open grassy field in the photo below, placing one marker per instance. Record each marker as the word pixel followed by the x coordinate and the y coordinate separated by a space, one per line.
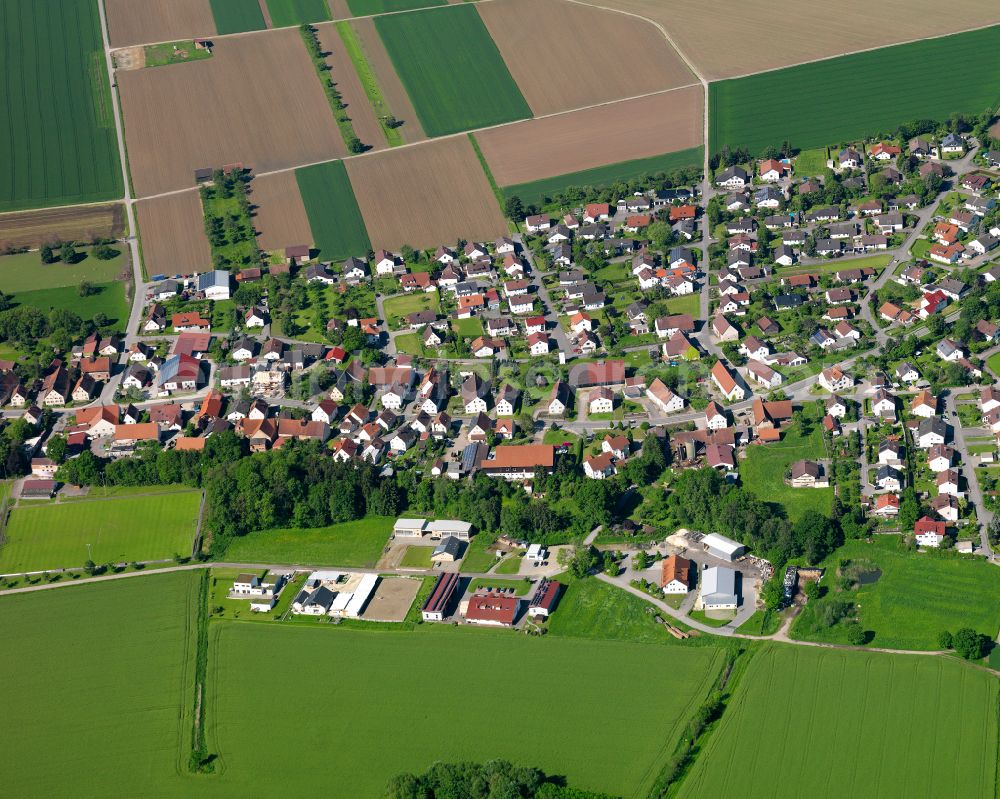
pixel 361 8
pixel 763 472
pixel 58 144
pixel 811 163
pixel 519 587
pixel 117 696
pixel 404 304
pixel 237 16
pixel 172 230
pixel 54 225
pixel 248 79
pixel 338 229
pixel 539 192
pixel 824 723
pixel 917 596
pixel 451 69
pixel 108 299
pixel 297 12
pixel 279 214
pixel 356 544
pixel 549 46
pixel 374 691
pixel 54 536
pixel 142 21
pixel 819 103
pixel 877 262
pixel 26 272
pixel 416 558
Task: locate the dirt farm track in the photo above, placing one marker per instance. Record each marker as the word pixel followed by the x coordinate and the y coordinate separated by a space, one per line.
pixel 257 101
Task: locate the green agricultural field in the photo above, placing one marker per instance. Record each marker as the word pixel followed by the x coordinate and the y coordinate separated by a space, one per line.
pixel 58 145
pixel 26 272
pixel 356 544
pixel 285 13
pixel 823 102
pixel 382 677
pixel 451 69
pixel 369 82
pixel 237 16
pixel 334 217
pixel 542 192
pixel 823 723
pixel 365 8
pixel 918 596
pixel 102 675
pixel 108 299
pixel 763 472
pixel 154 527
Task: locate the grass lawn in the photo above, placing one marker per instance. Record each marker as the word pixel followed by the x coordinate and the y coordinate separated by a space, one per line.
pixel 285 13
pixel 920 248
pixel 468 328
pixel 477 560
pixel 451 69
pixel 509 565
pixel 763 472
pixel 689 304
pixel 55 536
pixel 520 587
pixel 817 103
pixel 877 262
pixel 762 622
pixel 704 618
pixel 811 163
pixel 917 596
pixel 125 708
pixel 26 272
pixel 59 145
pixel 106 492
pixel 237 16
pixel 404 304
pixel 446 726
pixel 417 558
pixel 108 299
pixel 334 216
pixel 823 723
pixel 358 544
pixel 221 580
pixel 993 363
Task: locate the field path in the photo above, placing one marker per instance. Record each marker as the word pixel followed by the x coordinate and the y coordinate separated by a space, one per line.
pixel 266 12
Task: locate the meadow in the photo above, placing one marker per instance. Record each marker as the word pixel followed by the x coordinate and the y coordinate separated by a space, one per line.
pixel 108 299
pixel 763 472
pixel 40 537
pixel 358 544
pixel 385 677
pixel 541 192
pixel 59 144
pixel 334 216
pixel 917 597
pixel 403 304
pixel 823 102
pixel 237 16
pixel 452 69
pixel 823 723
pixel 101 681
pixel 26 272
pixel 296 12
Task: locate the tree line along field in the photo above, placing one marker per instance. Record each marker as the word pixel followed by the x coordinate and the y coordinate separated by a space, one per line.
pixel 857 95
pixel 828 723
pixel 58 144
pixel 338 229
pixel 134 528
pixel 452 69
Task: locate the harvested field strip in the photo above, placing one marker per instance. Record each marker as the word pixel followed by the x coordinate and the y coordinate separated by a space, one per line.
pixel 237 16
pixel 268 111
pixel 551 47
pixel 424 196
pixel 352 93
pixel 835 724
pixel 351 44
pixel 51 225
pixel 285 13
pixel 279 216
pixel 58 143
pixel 364 8
pixel 132 22
pixel 823 103
pixel 338 229
pixel 172 229
pixel 616 132
pixel 497 191
pixel 451 69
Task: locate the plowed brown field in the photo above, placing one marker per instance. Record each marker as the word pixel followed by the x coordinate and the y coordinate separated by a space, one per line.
pixel 257 101
pixel 565 55
pixel 147 21
pixel 392 89
pixel 173 234
pixel 431 194
pixel 280 218
pixel 352 93
pixel 642 128
pixel 728 38
pixel 50 225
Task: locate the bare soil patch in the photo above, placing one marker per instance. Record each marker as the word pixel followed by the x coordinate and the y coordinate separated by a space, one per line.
pixel 434 193
pixel 173 234
pixel 352 93
pixel 392 599
pixel 257 101
pixel 148 21
pixel 392 88
pixel 565 55
pixel 280 217
pixel 642 128
pixel 727 38
pixel 51 225
pixel 130 58
pixel 339 9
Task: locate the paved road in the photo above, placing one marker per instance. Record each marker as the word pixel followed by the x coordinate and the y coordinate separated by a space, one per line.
pixel 984 516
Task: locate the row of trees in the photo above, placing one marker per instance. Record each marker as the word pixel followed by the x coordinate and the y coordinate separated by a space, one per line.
pixel 495 779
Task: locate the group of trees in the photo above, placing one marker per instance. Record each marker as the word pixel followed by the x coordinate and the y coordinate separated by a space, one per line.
pixel 495 779
pixel 967 643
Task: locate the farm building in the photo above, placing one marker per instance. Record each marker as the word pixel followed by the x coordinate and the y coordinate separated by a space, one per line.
pixel 718 588
pixel 721 547
pixel 543 601
pixel 444 528
pixel 409 528
pixel 492 610
pixel 675 575
pixel 436 606
pixel 448 551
